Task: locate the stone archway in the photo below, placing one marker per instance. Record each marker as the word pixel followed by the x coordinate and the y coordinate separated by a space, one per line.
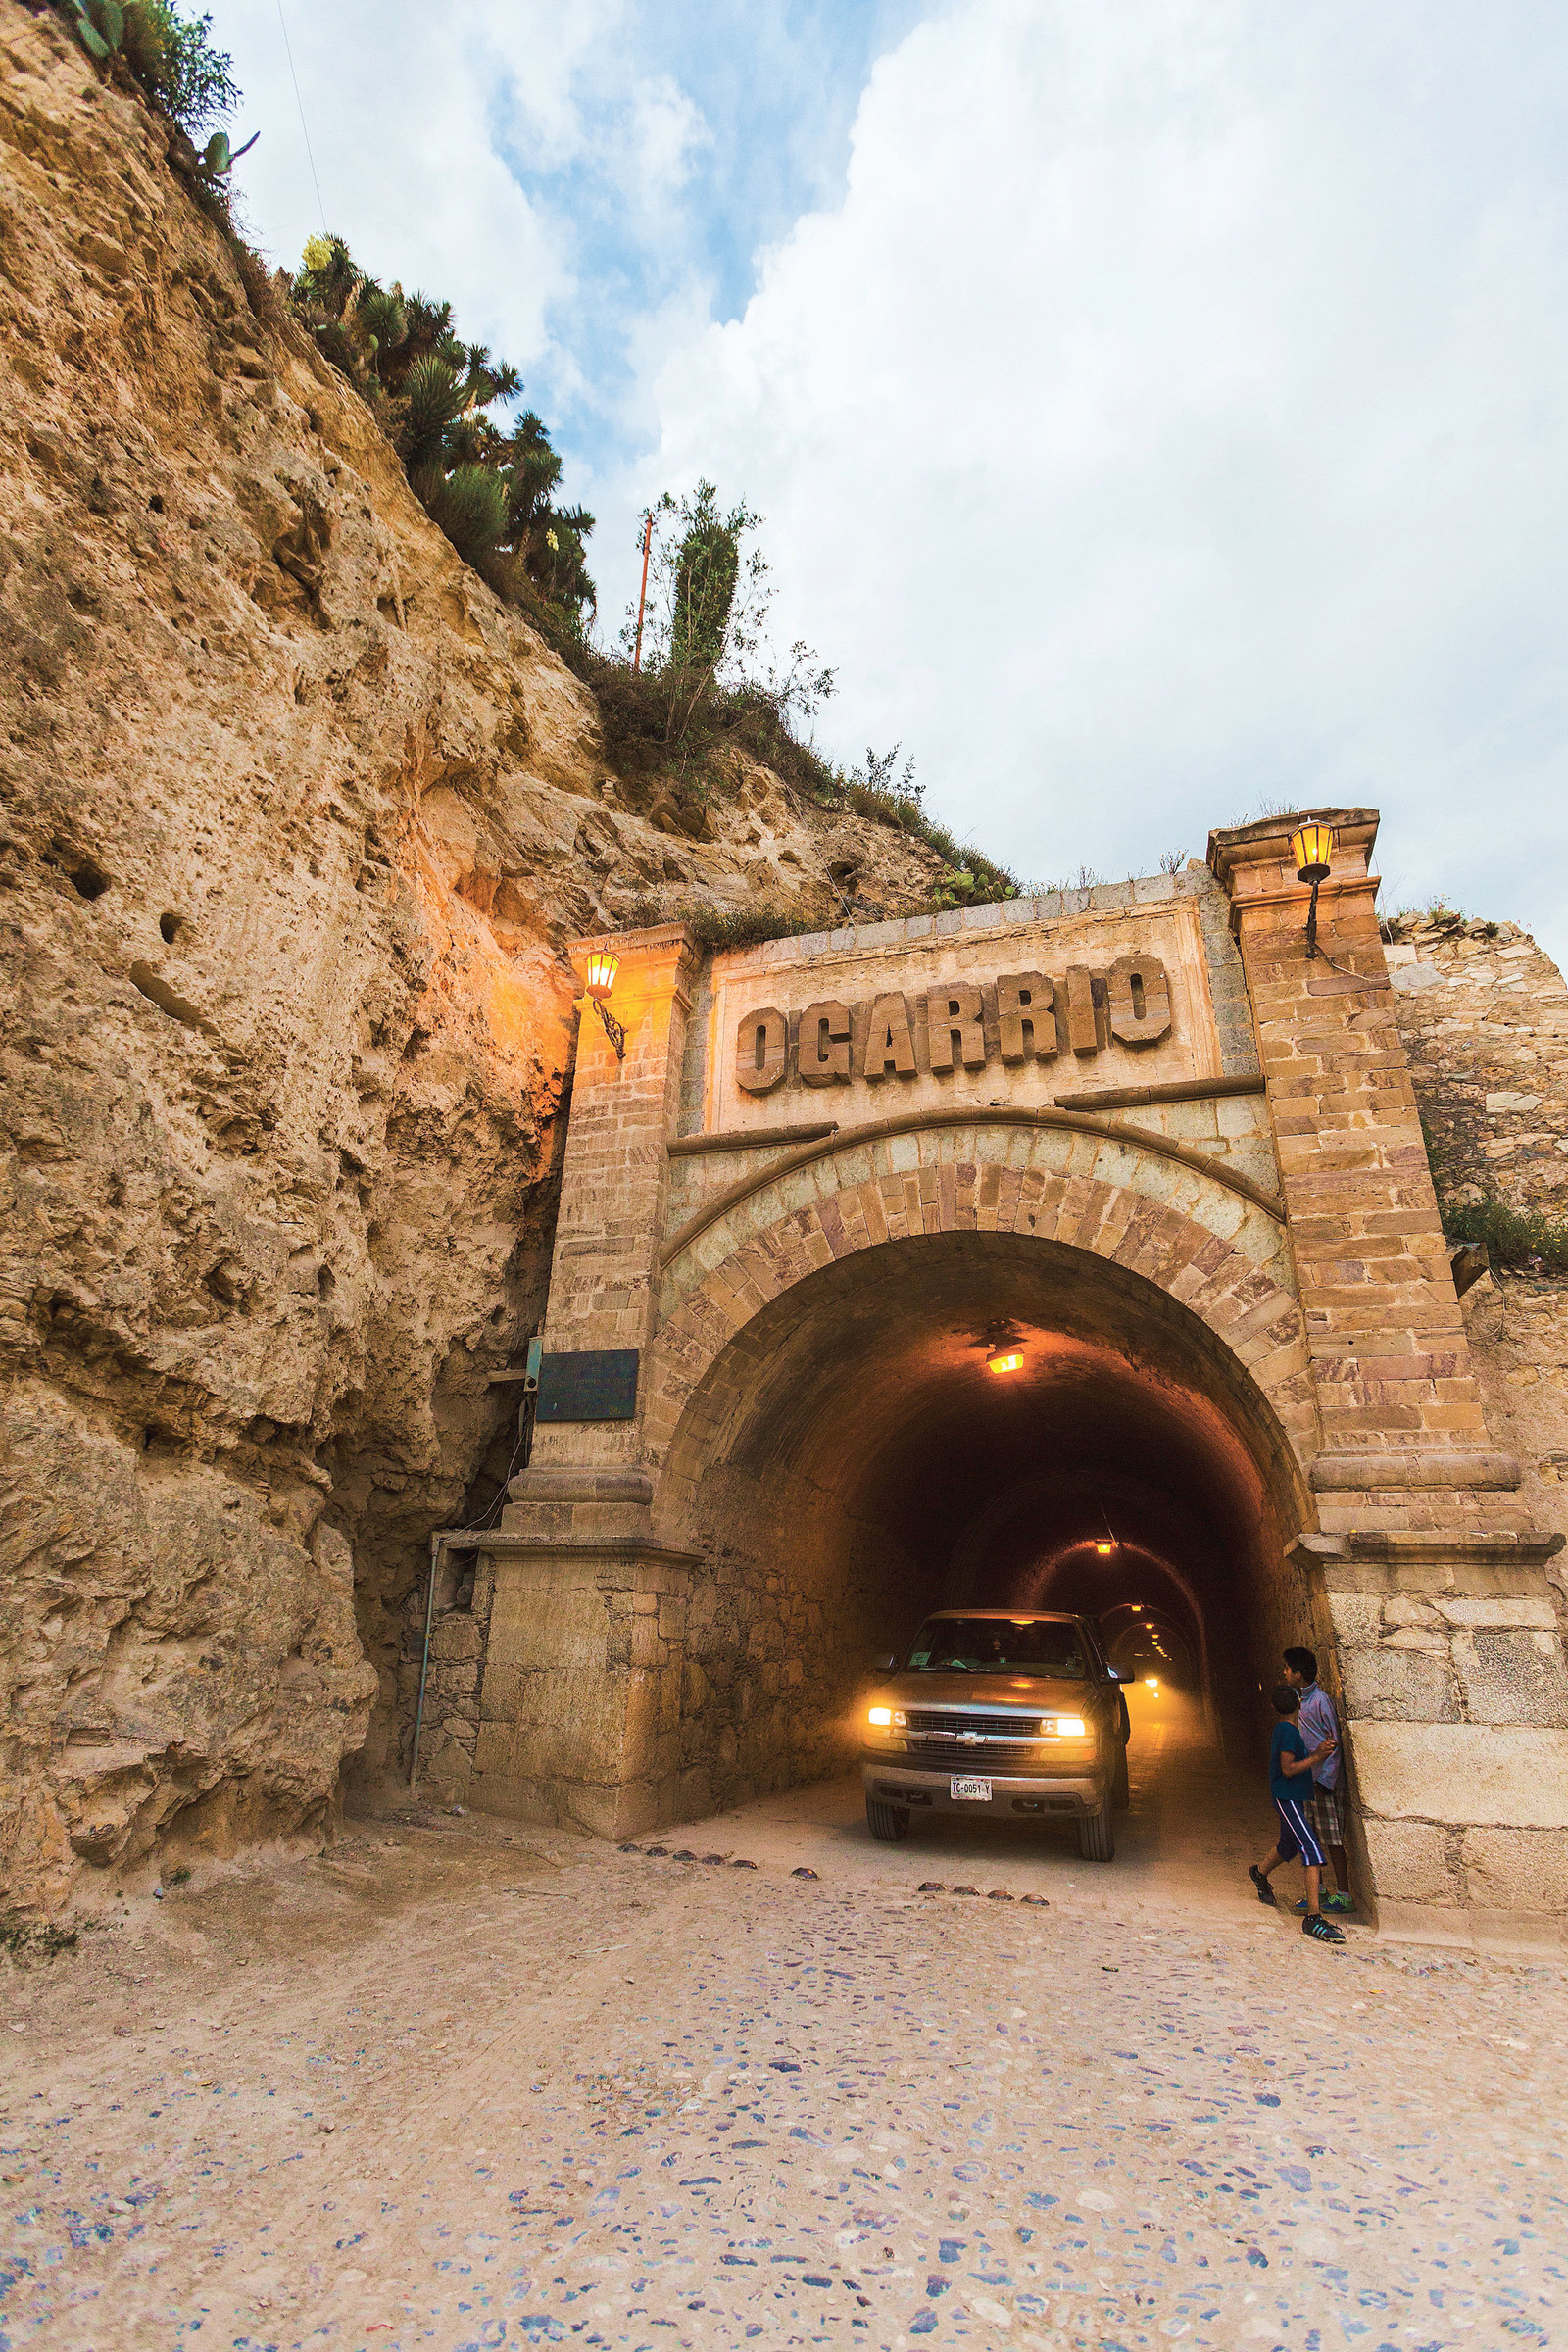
pixel 1212 1244
pixel 1234 1210
pixel 816 1344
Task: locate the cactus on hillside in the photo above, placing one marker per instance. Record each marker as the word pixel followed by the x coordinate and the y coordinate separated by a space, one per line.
pixel 100 27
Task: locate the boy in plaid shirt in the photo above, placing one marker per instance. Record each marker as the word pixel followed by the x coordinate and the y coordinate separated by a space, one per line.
pixel 1325 1807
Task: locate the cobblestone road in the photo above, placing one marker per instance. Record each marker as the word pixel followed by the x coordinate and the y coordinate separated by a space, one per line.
pixel 450 2086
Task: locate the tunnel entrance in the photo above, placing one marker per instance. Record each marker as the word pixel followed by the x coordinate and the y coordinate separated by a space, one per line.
pixel 978 1419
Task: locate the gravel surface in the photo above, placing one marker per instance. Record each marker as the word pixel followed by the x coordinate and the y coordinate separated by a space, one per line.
pixel 458 2087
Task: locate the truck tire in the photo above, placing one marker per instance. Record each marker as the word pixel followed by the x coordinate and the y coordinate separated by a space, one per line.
pixel 885 1821
pixel 1097 1835
pixel 1121 1795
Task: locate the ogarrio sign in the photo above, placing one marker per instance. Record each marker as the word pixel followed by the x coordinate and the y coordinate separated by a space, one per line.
pixel 962 1025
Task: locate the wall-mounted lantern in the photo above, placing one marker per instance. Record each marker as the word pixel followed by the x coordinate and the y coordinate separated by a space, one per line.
pixel 1312 848
pixel 602 971
pixel 1011 1362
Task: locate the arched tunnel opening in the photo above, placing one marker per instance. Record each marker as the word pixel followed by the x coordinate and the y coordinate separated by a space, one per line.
pixel 981 1420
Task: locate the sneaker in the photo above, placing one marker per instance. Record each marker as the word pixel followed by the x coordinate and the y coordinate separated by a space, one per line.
pixel 1321 1930
pixel 1266 1892
pixel 1339 1902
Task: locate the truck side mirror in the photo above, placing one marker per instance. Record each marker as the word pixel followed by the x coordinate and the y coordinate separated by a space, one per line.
pixel 885 1665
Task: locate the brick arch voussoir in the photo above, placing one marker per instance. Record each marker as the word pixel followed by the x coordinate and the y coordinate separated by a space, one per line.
pixel 753 1259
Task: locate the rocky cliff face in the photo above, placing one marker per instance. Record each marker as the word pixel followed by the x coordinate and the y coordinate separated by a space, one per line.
pixel 294 821
pixel 1483 1015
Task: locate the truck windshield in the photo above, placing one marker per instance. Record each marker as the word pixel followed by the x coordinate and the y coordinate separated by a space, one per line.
pixel 997 1645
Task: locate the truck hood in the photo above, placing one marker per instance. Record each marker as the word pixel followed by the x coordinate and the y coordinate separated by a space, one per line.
pixel 1039 1694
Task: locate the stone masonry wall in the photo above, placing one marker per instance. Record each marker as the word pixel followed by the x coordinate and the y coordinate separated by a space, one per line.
pixel 1483 1014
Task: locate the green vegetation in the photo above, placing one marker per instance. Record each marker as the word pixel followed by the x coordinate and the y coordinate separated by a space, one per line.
pixel 699 700
pixel 488 486
pixel 23 1936
pixel 170 56
pixel 1525 1239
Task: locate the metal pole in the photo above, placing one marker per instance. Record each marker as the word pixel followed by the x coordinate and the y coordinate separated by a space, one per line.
pixel 642 593
pixel 437 1542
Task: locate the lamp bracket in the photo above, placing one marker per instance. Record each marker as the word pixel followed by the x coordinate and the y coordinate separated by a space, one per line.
pixel 613 1028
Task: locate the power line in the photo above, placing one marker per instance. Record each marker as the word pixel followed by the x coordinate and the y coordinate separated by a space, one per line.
pixel 299 101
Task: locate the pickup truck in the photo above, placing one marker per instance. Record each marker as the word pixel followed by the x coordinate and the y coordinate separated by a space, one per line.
pixel 998 1712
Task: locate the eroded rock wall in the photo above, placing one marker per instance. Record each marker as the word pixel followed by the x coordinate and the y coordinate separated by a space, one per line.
pixel 294 821
pixel 1483 1011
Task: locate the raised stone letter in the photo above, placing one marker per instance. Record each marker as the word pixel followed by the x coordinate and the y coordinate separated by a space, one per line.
pixel 889 1043
pixel 953 1017
pixel 1082 1035
pixel 1026 1017
pixel 825 1048
pixel 1138 995
pixel 761 1045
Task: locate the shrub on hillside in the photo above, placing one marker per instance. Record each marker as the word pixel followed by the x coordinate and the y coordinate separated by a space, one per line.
pixel 490 488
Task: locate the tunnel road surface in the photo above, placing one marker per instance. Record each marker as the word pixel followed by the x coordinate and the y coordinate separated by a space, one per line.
pixel 454 2085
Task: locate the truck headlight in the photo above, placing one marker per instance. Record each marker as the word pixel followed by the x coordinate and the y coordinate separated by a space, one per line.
pixel 1070 1727
pixel 881 1715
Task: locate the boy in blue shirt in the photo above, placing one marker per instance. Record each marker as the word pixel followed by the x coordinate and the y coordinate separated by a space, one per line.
pixel 1290 1783
pixel 1325 1800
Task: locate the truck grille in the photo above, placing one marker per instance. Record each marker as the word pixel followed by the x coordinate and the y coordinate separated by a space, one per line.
pixel 989 1751
pixel 988 1727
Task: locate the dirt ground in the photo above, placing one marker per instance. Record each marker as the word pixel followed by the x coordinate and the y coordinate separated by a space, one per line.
pixel 458 2084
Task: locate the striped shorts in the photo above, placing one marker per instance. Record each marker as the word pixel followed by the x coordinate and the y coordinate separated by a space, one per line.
pixel 1296 1834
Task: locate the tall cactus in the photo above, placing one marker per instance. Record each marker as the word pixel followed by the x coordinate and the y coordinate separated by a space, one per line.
pixel 100 27
pixel 706 573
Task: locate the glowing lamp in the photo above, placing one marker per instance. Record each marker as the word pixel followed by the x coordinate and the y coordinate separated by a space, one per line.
pixel 602 971
pixel 880 1715
pixel 1105 1549
pixel 1006 1363
pixel 1151 1682
pixel 1312 848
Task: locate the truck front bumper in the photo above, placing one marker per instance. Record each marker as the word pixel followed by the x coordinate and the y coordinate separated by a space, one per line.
pixel 928 1789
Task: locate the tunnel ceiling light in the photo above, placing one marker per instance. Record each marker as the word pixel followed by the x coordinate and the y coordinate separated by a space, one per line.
pixel 1012 1362
pixel 1312 848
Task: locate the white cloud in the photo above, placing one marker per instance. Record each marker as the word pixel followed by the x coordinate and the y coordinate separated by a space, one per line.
pixel 1170 416
pixel 438 136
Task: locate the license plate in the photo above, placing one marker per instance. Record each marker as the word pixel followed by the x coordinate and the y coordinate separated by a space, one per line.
pixel 977 1791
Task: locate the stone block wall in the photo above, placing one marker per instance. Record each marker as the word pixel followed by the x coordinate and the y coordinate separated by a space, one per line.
pixel 1483 1014
pixel 791 1600
pixel 458 1637
pixel 1458 1706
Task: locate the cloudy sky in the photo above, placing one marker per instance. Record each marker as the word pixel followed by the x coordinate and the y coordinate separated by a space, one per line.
pixel 1159 411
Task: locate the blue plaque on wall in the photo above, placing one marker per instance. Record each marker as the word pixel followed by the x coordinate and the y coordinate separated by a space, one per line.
pixel 597 1384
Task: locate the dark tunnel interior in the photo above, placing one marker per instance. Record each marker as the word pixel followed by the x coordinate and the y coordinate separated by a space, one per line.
pixel 987 1420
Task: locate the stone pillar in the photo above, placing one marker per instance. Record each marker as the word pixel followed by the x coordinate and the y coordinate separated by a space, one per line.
pixel 615 1177
pixel 1404 1430
pixel 580 1700
pixel 1422 1543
